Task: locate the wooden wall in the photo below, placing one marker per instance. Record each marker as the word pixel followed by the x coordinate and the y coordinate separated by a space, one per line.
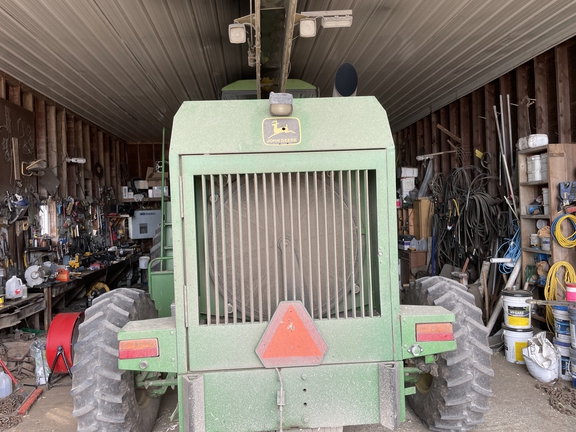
pixel 542 95
pixel 60 133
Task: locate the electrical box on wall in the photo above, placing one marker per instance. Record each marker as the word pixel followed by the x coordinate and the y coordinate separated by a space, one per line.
pixel 144 223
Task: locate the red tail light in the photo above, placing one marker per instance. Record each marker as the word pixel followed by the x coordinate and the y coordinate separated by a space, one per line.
pixel 434 332
pixel 138 348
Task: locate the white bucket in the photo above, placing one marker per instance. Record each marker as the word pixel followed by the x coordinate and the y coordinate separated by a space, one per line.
pixel 561 323
pixel 517 313
pixel 563 349
pixel 514 341
pixel 143 262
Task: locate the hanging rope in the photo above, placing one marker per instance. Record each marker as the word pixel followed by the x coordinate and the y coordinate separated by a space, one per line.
pixel 567 242
pixel 552 284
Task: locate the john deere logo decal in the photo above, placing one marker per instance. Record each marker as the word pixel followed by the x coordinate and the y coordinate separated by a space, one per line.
pixel 281 131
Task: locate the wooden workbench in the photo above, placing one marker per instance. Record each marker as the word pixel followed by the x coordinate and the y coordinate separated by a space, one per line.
pixel 14 311
pixel 62 293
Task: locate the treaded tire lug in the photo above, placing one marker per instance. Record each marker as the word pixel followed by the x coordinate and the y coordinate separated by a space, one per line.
pixel 104 396
pixel 458 397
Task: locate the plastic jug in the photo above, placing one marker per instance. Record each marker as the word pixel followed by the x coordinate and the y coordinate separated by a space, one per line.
pixel 5 385
pixel 14 288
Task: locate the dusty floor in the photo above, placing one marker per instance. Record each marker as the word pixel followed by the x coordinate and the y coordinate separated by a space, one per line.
pixel 516 406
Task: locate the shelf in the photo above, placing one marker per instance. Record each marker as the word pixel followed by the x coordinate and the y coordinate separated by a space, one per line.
pixel 534 250
pixel 534 183
pixel 535 216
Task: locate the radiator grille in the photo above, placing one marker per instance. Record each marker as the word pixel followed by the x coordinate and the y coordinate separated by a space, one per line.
pixel 290 236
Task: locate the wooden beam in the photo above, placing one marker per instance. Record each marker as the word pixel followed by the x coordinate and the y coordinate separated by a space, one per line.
pixel 505 88
pixel 118 184
pixel 79 139
pixel 62 147
pixel 491 137
pixel 107 167
pixel 419 139
pixel 71 152
pixel 95 155
pixel 435 141
pixel 88 156
pixel 444 146
pixel 28 101
pixel 522 99
pixel 541 95
pixel 113 165
pixel 563 93
pixel 478 128
pixel 413 146
pixel 51 139
pixel 2 87
pixel 40 126
pixel 465 130
pixel 455 129
pixel 102 181
pixel 14 95
pixel 427 134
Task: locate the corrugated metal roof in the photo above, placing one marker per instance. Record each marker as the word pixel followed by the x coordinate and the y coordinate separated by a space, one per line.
pixel 127 65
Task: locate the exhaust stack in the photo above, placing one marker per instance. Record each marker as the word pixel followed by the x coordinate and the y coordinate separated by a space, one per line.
pixel 346 81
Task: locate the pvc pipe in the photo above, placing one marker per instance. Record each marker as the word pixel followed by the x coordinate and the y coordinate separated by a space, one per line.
pixel 499 305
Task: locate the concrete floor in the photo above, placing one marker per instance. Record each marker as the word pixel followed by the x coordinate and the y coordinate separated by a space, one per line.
pixel 517 406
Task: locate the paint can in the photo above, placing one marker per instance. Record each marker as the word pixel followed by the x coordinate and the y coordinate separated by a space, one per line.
pixel 514 340
pixel 570 292
pixel 517 313
pixel 572 315
pixel 561 323
pixel 563 349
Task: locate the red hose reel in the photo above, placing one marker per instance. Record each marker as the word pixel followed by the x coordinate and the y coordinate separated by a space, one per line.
pixel 61 338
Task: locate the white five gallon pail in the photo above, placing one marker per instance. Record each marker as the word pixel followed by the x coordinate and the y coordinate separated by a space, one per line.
pixel 143 262
pixel 517 313
pixel 563 349
pixel 514 340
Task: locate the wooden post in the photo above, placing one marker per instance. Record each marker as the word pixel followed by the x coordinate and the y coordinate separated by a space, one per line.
pixel 455 129
pixel 541 92
pixel 79 138
pixel 419 140
pixel 14 95
pixel 106 164
pixel 71 152
pixel 113 165
pixel 563 93
pixel 522 99
pixel 492 145
pixel 95 155
pixel 40 126
pixel 51 138
pixel 62 146
pixel 413 146
pixel 444 146
pixel 505 87
pixel 118 184
pixel 427 135
pixel 2 87
pixel 465 129
pixel 88 156
pixel 478 125
pixel 435 141
pixel 102 181
pixel 28 101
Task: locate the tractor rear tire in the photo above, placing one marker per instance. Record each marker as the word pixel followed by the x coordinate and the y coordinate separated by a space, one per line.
pixel 104 396
pixel 457 398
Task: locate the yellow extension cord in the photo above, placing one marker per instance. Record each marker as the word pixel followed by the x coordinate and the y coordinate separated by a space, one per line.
pixel 566 242
pixel 551 287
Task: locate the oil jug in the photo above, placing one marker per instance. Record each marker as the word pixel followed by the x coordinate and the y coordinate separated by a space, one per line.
pixel 14 288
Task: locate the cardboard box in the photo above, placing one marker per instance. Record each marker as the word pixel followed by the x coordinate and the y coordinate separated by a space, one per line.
pixel 423 211
pixel 155 178
pixel 402 172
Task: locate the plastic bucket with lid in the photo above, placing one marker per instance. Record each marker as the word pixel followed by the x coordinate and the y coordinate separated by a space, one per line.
pixel 514 340
pixel 517 313
pixel 572 315
pixel 571 292
pixel 563 349
pixel 143 262
pixel 561 323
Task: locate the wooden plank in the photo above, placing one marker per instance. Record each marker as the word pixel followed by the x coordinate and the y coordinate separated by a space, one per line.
pixel 113 165
pixel 465 130
pixel 107 160
pixel 40 126
pixel 435 141
pixel 88 156
pixel 427 134
pixel 62 146
pixel 505 85
pixel 541 94
pixel 79 138
pixel 2 87
pixel 491 137
pixel 28 101
pixel 478 127
pixel 14 95
pixel 563 93
pixel 444 146
pixel 95 155
pixel 522 100
pixel 118 184
pixel 413 146
pixel 101 156
pixel 419 140
pixel 51 139
pixel 455 129
pixel 71 152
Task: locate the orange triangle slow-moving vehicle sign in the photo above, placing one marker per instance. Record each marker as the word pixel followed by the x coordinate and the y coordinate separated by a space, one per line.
pixel 291 338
